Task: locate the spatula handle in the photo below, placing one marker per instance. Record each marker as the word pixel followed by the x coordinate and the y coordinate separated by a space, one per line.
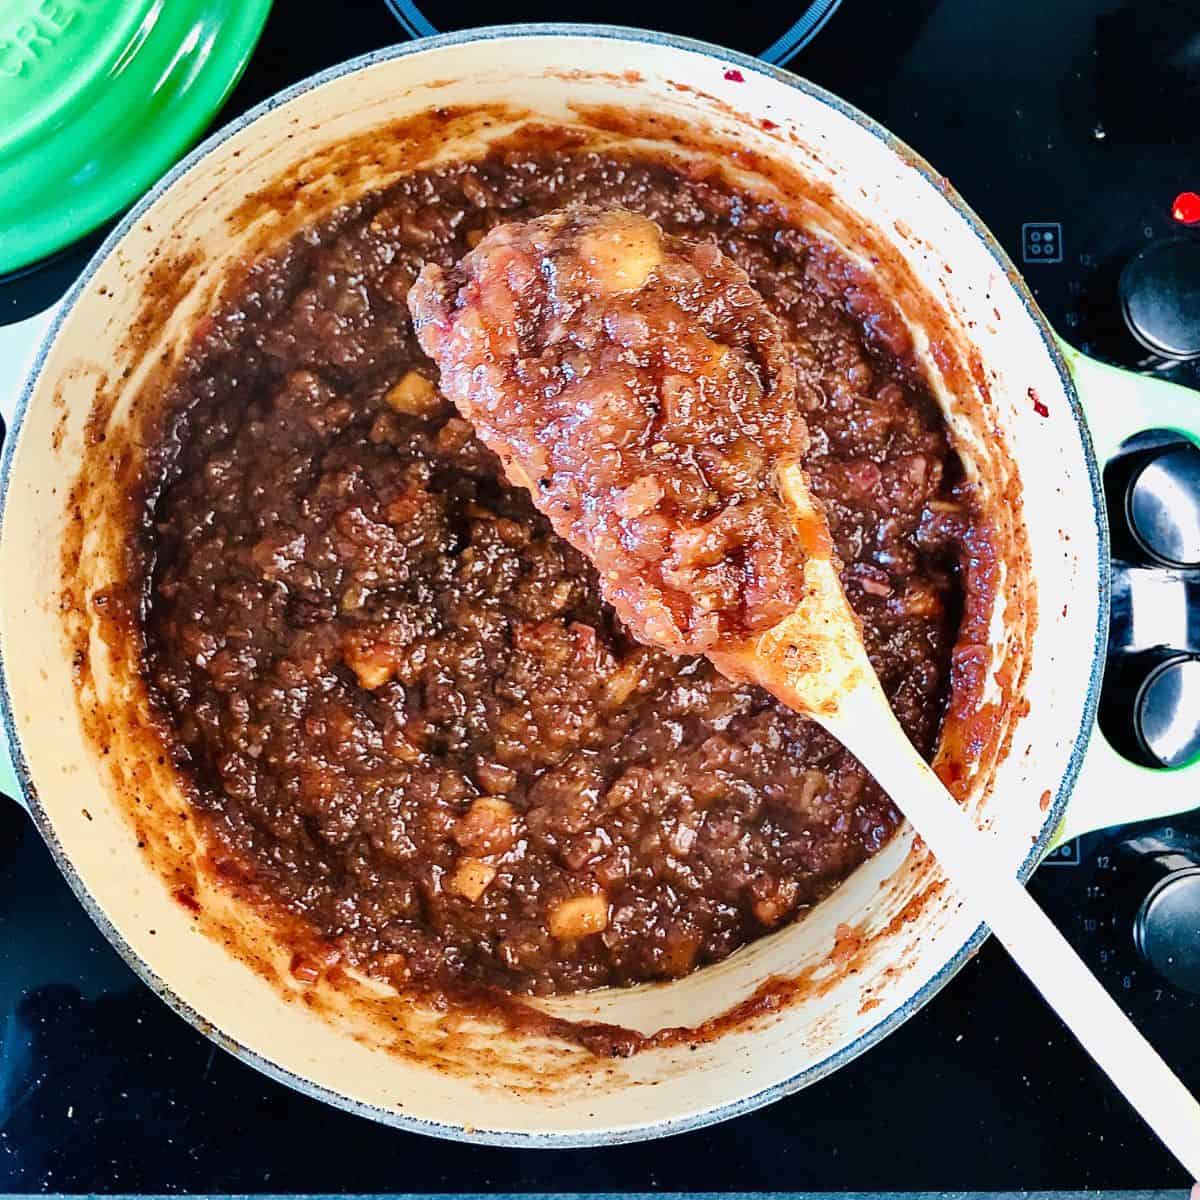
pixel 865 725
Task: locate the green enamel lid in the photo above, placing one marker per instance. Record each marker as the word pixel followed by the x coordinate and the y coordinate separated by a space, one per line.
pixel 98 98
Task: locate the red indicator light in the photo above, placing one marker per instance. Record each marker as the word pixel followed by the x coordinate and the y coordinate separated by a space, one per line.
pixel 1186 209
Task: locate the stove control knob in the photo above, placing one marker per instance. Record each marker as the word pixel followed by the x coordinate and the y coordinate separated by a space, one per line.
pixel 1167 711
pixel 1150 706
pixel 1162 505
pixel 1163 879
pixel 1160 297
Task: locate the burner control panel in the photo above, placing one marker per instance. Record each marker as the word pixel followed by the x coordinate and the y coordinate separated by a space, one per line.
pixel 1130 897
pixel 1139 923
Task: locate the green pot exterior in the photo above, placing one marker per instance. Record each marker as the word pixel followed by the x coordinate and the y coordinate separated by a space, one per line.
pixel 98 98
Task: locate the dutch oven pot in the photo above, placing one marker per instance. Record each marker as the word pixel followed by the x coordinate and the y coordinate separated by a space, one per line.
pixel 1032 419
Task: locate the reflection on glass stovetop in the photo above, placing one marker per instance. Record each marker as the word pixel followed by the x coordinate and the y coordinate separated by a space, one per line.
pixel 1070 117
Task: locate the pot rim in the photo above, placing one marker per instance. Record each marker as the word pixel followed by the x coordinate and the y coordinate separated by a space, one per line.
pixel 1054 814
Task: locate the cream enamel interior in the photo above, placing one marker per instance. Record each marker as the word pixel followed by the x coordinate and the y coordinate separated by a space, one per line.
pixel 465 1075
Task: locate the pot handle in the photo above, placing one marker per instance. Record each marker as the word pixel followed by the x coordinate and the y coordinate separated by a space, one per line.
pixel 18 345
pixel 1110 789
pixel 10 784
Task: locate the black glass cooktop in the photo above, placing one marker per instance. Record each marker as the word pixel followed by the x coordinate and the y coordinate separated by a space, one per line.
pixel 1073 121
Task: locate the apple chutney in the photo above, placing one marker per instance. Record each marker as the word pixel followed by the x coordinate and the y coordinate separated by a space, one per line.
pixel 405 711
